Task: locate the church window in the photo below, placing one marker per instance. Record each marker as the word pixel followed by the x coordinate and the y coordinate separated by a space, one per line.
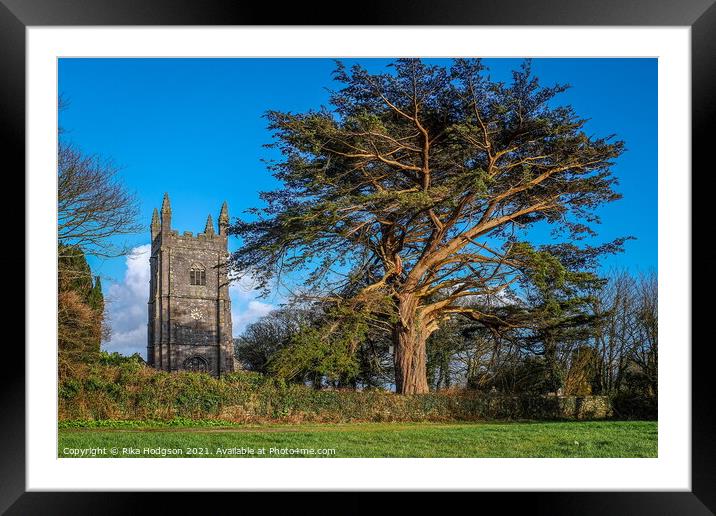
pixel 197 364
pixel 197 275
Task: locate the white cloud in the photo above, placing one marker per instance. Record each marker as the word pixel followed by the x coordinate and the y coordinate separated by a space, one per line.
pixel 245 308
pixel 127 305
pixel 243 316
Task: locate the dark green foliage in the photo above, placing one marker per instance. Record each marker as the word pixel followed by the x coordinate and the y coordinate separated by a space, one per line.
pixel 95 299
pixel 325 352
pixel 74 271
pixel 74 275
pixel 558 288
pixel 628 405
pixel 316 344
pixel 375 361
pixel 80 309
pixel 270 334
pixel 443 346
pixel 135 360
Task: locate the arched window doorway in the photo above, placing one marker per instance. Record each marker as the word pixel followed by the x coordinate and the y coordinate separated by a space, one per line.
pixel 197 364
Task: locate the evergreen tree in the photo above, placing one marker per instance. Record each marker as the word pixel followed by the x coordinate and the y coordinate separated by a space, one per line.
pixel 80 309
pixel 410 189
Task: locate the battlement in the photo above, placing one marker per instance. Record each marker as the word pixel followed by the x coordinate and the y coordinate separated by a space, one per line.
pixel 190 235
pixel 190 240
pixel 161 225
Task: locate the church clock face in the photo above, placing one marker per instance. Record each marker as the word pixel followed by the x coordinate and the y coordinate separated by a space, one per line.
pixel 196 314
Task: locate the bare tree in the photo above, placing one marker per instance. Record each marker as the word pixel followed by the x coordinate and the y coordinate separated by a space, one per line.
pixel 627 336
pixel 646 345
pixel 612 336
pixel 93 205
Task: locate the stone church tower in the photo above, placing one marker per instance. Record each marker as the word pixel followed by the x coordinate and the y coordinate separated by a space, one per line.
pixel 189 307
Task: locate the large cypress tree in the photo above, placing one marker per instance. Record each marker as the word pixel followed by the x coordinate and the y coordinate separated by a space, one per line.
pixel 412 189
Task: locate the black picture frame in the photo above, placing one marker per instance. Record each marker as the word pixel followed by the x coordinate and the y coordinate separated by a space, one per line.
pixel 700 15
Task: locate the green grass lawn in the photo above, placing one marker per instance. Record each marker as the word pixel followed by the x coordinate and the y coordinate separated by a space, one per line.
pixel 519 439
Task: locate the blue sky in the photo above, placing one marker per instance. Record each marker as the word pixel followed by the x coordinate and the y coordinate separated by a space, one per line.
pixel 194 128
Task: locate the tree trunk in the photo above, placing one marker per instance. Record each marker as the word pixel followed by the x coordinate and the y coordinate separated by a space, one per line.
pixel 409 337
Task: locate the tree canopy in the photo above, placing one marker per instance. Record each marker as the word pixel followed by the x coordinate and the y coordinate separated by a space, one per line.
pixel 413 193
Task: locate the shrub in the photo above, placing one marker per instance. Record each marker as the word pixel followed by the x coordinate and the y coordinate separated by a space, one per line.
pixel 633 406
pixel 127 390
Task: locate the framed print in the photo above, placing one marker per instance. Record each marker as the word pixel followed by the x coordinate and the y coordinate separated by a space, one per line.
pixel 424 251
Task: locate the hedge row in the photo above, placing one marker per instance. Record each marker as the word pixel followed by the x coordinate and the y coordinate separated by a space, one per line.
pixel 630 406
pixel 132 391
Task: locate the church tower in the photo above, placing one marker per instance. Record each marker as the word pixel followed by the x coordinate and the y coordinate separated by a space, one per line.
pixel 189 307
